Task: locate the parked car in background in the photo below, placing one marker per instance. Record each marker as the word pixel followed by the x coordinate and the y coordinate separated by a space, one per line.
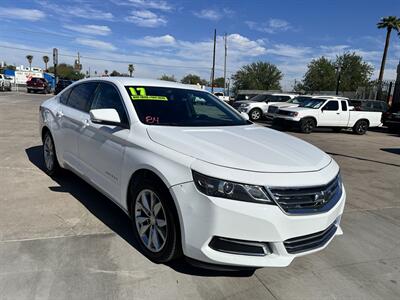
pixel 221 96
pixel 5 83
pixel 332 112
pixel 369 105
pixel 61 84
pixel 38 85
pixel 196 180
pixel 257 106
pixel 391 120
pixel 294 102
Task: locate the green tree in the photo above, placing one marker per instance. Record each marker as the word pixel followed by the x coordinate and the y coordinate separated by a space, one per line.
pixel 166 77
pixel 115 73
pixel 389 23
pixel 258 76
pixel 46 61
pixel 106 72
pixel 131 68
pixel 219 82
pixel 30 59
pixel 193 79
pixel 320 76
pixel 354 72
pixel 66 71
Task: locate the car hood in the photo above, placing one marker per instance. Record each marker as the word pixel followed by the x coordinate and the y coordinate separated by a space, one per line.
pixel 285 104
pixel 296 108
pixel 248 147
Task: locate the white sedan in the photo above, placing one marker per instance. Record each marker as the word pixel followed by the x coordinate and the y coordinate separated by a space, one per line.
pixel 196 177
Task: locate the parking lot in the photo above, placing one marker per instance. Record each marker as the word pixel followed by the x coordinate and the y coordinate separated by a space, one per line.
pixel 61 239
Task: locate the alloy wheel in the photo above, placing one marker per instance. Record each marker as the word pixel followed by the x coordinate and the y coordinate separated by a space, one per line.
pixel 48 153
pixel 151 220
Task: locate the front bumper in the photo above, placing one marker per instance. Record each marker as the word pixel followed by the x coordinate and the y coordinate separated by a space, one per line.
pixel 204 217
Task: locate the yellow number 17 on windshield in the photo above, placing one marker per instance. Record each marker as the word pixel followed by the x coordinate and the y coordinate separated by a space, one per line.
pixel 135 91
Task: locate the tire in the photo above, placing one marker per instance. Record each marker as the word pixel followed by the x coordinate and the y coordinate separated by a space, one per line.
pixel 255 114
pixel 307 125
pixel 361 127
pixel 51 165
pixel 10 88
pixel 29 91
pixel 155 225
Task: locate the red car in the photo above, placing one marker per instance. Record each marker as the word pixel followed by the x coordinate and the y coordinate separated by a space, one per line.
pixel 38 85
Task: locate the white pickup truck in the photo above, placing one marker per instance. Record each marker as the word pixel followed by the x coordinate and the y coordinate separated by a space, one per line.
pixel 332 113
pixel 5 83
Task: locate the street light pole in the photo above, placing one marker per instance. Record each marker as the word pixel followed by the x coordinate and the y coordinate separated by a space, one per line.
pixel 225 40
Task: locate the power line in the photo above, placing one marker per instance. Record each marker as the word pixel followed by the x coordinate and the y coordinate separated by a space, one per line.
pixel 112 60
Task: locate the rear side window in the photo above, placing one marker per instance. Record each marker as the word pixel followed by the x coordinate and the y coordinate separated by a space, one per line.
pixel 332 105
pixel 284 98
pixel 107 96
pixel 81 95
pixel 344 106
pixel 64 96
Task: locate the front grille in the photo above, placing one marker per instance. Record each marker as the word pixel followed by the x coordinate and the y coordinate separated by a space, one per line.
pixel 272 109
pixel 310 241
pixel 284 112
pixel 239 247
pixel 309 200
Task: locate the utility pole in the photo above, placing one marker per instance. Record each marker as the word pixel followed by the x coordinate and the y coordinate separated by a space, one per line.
pixel 213 66
pixel 55 62
pixel 338 70
pixel 226 50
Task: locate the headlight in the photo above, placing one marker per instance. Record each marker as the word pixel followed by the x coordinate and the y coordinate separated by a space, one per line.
pixel 245 105
pixel 230 190
pixel 294 114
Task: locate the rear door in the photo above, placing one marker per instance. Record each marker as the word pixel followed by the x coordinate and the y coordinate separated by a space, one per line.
pixel 72 115
pixel 101 147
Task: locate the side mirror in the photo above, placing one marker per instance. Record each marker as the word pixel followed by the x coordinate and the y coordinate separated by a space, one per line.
pixel 244 115
pixel 106 116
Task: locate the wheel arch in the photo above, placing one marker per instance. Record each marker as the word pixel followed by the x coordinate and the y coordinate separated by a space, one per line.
pixel 153 174
pixel 310 117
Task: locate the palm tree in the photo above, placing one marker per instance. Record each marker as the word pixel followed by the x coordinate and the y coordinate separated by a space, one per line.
pixel 390 22
pixel 131 68
pixel 29 58
pixel 46 61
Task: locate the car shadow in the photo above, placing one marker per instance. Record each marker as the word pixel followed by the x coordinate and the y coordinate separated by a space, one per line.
pixel 112 216
pixel 391 150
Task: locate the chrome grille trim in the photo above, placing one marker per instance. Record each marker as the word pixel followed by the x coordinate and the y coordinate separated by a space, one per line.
pixel 311 241
pixel 308 200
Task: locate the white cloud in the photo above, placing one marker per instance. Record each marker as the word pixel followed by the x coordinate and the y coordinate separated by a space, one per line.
pixel 213 14
pixel 289 50
pixel 154 4
pixel 101 45
pixel 146 18
pixel 90 29
pixel 271 26
pixel 154 41
pixel 80 10
pixel 21 14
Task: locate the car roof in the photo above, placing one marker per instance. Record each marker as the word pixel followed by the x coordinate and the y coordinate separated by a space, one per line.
pixel 133 81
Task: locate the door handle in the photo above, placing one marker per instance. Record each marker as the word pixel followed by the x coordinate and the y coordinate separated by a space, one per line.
pixel 85 123
pixel 338 113
pixel 59 114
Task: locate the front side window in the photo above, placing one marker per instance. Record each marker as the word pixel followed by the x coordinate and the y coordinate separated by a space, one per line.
pixel 181 107
pixel 107 96
pixel 332 105
pixel 81 95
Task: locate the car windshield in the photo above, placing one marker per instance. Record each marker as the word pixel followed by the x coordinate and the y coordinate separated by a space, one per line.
pixel 298 100
pixel 181 107
pixel 259 98
pixel 313 103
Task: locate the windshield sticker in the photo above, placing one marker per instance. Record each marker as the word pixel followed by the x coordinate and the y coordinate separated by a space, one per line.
pixel 139 93
pixel 152 120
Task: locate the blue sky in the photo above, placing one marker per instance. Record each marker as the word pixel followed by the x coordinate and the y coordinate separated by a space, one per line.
pixel 175 36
